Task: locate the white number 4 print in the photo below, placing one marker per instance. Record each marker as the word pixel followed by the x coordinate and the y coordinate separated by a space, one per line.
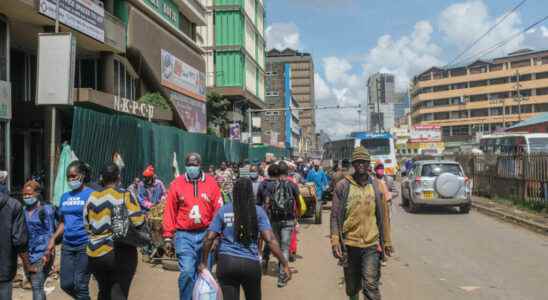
pixel 195 214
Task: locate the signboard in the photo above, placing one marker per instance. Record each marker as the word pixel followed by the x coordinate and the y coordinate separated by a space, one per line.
pixel 166 9
pixel 181 77
pixel 86 16
pixel 235 132
pixel 192 112
pixel 274 138
pixel 256 121
pixel 133 107
pixel 56 61
pixel 425 133
pixel 5 100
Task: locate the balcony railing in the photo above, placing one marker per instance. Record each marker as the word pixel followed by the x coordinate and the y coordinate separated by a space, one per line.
pixel 115 32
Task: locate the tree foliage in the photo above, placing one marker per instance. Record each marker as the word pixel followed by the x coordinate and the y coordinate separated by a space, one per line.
pixel 155 99
pixel 217 109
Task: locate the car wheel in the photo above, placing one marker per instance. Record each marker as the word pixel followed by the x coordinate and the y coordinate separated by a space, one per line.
pixel 465 209
pixel 318 214
pixel 412 206
pixel 404 200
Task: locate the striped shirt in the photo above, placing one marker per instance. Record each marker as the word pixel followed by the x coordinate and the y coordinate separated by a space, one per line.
pixel 97 218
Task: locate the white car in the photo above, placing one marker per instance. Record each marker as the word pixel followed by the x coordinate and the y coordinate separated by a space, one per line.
pixel 436 183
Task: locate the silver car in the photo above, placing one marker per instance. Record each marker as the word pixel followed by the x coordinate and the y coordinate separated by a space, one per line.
pixel 436 183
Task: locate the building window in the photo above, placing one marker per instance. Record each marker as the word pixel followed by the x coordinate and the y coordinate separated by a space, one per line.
pixel 458 72
pixel 543 75
pixel 441 116
pixel 88 73
pixel 476 98
pixel 458 86
pixel 479 112
pixel 3 50
pixel 125 85
pixel 496 67
pixel 541 92
pixel 460 130
pixel 541 107
pixel 497 96
pixel 520 63
pixel 187 27
pixel 501 80
pixel 23 77
pixel 478 83
pixel 478 70
pixel 441 88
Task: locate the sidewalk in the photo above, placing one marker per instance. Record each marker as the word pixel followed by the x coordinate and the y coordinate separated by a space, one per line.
pixel 534 221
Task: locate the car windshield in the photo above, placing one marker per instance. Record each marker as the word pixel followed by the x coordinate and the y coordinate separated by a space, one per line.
pixel 538 145
pixel 377 146
pixel 433 170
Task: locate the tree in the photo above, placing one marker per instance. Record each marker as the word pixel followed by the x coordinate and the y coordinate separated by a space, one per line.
pixel 217 109
pixel 155 99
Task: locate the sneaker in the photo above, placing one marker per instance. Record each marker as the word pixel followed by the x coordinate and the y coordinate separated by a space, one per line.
pixel 282 280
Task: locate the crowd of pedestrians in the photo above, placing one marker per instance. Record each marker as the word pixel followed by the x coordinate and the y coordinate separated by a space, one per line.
pixel 234 217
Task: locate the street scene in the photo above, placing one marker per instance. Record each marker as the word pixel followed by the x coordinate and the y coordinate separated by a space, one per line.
pixel 260 149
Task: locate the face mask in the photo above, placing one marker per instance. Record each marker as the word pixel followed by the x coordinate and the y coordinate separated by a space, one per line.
pixel 74 184
pixel 253 175
pixel 193 172
pixel 380 173
pixel 30 201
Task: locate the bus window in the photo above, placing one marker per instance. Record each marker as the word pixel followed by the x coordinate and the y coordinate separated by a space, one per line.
pixel 538 145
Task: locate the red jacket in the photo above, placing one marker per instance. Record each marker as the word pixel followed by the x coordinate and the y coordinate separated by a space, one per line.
pixel 191 205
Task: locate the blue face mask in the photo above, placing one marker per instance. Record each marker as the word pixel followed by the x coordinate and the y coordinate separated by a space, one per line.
pixel 30 201
pixel 253 175
pixel 193 172
pixel 74 184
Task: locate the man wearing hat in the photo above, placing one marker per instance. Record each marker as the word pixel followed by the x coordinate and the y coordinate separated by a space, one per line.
pixel 359 228
pixel 151 190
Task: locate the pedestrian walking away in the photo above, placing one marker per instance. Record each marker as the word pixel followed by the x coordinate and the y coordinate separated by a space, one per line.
pixel 13 243
pixel 74 272
pixel 192 201
pixel 240 224
pixel 40 219
pixel 113 264
pixel 319 178
pixel 359 229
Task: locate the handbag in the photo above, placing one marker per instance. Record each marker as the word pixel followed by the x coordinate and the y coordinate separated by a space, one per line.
pixel 125 232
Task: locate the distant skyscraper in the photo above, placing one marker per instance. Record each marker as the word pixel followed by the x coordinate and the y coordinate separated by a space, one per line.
pixel 381 99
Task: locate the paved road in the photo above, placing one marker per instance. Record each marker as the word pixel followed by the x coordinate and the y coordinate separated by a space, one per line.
pixel 440 255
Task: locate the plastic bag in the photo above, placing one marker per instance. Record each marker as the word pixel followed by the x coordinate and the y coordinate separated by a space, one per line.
pixel 302 206
pixel 206 288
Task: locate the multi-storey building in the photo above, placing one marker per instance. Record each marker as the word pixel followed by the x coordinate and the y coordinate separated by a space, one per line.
pixel 483 96
pixel 281 123
pixel 235 53
pixel 302 78
pixel 381 97
pixel 124 49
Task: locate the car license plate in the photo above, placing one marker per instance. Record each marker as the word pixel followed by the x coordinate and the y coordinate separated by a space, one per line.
pixel 428 195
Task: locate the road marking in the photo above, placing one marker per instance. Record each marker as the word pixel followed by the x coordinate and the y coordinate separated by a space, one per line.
pixel 469 288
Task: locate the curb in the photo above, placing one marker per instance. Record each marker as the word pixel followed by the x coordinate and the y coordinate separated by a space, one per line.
pixel 528 224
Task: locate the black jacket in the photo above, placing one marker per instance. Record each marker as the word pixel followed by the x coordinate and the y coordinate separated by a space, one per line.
pixel 13 236
pixel 267 189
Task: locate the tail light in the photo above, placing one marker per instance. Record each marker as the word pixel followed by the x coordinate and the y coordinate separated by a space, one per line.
pixel 466 179
pixel 388 161
pixel 418 179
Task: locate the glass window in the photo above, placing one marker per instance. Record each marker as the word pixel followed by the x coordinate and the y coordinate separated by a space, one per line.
pixel 433 170
pixel 3 50
pixel 377 146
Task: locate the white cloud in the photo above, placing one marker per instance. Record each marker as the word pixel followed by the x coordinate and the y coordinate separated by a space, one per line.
pixel 463 23
pixel 283 35
pixel 321 89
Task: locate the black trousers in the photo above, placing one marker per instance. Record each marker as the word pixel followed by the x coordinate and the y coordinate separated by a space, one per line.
pixel 114 272
pixel 234 272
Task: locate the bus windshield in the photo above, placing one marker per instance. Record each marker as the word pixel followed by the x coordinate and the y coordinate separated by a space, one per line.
pixel 377 146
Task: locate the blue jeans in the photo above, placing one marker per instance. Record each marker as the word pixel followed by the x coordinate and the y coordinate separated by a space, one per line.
pixel 5 290
pixel 75 272
pixel 188 247
pixel 38 279
pixel 282 230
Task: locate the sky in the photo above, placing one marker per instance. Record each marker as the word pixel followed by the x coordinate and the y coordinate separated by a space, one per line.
pixel 351 39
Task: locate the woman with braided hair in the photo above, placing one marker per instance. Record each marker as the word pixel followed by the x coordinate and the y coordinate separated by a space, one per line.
pixel 240 224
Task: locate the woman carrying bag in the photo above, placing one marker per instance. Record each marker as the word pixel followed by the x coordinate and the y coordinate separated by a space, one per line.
pixel 110 215
pixel 240 224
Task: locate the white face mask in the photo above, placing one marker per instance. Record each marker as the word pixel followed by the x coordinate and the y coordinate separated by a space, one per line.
pixel 74 184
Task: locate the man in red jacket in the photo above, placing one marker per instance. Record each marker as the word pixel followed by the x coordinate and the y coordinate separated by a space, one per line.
pixel 192 201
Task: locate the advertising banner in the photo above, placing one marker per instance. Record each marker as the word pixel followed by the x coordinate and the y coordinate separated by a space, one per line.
pixel 192 112
pixel 86 16
pixel 234 131
pixel 425 133
pixel 181 77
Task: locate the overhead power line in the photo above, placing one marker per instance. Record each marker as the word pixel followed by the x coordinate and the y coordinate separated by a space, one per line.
pixel 498 45
pixel 474 43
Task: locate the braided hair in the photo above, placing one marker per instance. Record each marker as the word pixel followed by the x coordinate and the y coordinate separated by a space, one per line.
pixel 82 168
pixel 246 228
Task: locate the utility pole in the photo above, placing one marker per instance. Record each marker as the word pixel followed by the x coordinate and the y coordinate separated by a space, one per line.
pixel 517 96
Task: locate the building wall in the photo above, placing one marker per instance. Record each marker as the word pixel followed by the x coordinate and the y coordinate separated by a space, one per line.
pixel 536 128
pixel 381 99
pixel 470 99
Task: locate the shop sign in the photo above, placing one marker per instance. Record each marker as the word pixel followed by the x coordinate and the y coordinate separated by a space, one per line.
pixel 5 100
pixel 181 77
pixel 166 9
pixel 425 133
pixel 133 107
pixel 86 16
pixel 192 112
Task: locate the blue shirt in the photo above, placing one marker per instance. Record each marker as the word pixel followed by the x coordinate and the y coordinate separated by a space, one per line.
pixel 71 208
pixel 223 223
pixel 40 226
pixel 319 179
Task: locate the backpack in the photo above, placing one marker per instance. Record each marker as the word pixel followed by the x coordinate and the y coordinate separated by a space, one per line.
pixel 124 231
pixel 282 201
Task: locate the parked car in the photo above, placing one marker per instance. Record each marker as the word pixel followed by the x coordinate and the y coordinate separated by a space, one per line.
pixel 436 183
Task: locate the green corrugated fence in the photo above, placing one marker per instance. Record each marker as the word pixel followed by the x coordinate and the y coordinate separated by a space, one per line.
pixel 96 136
